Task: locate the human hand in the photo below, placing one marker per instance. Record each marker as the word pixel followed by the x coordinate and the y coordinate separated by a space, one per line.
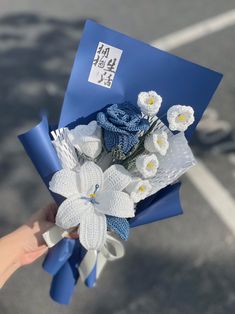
pixel 25 245
pixel 30 234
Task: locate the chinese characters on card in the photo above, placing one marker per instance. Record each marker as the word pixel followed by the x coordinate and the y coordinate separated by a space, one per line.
pixel 104 65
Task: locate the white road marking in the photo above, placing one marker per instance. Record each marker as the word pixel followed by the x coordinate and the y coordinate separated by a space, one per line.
pixel 196 31
pixel 206 183
pixel 215 194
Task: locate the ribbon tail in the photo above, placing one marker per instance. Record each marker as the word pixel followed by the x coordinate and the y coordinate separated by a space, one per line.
pixel 53 236
pixel 101 262
pixel 87 268
pixel 106 255
pixel 58 256
pixel 94 261
pixel 64 282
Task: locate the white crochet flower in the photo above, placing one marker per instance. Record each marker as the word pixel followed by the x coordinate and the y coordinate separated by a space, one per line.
pixel 139 189
pixel 92 194
pixel 87 139
pixel 157 142
pixel 149 102
pixel 180 117
pixel 147 165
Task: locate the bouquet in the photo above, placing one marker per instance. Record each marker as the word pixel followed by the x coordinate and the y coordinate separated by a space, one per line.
pixel 111 164
pixel 114 160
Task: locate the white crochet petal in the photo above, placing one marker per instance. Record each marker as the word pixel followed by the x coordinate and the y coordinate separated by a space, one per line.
pixel 91 133
pixel 149 102
pixel 87 139
pixel 84 130
pixel 91 148
pixel 81 131
pixel 115 203
pixel 139 189
pixel 74 139
pixel 92 127
pixel 174 114
pixel 116 178
pixel 90 175
pixel 93 230
pixel 65 182
pixel 98 132
pixel 157 142
pixel 71 211
pixel 147 165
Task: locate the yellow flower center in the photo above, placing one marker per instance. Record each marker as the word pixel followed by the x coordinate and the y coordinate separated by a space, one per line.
pixel 93 195
pixel 142 188
pixel 151 101
pixel 181 117
pixel 160 142
pixel 150 165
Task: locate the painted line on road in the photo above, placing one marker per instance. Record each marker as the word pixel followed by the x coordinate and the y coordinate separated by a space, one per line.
pixel 202 178
pixel 196 31
pixel 215 194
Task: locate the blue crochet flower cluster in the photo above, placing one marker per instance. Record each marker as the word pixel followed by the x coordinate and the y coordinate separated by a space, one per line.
pixel 122 124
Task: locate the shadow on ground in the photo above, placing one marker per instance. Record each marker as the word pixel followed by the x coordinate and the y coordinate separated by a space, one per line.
pixel 36 57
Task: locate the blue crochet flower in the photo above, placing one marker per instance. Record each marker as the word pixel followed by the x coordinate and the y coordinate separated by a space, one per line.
pixel 122 124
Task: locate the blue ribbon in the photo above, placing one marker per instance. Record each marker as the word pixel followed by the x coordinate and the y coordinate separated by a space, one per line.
pixel 65 280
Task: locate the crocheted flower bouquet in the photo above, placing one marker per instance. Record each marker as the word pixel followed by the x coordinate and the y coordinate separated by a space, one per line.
pixel 121 145
pixel 114 162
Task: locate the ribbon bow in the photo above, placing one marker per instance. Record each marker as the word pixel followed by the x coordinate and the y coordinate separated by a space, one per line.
pixel 91 260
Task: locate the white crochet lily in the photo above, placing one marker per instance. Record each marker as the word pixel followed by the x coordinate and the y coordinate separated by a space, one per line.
pixel 92 194
pixel 180 117
pixel 147 165
pixel 157 142
pixel 139 189
pixel 87 139
pixel 149 102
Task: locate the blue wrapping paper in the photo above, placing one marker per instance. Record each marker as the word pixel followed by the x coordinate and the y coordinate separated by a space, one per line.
pixel 165 203
pixel 39 148
pixel 141 68
pixel 65 279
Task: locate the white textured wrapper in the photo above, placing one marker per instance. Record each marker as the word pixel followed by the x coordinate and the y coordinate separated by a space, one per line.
pixel 65 150
pixel 178 159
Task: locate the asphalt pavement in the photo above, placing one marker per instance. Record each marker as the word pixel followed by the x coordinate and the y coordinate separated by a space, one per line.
pixel 183 265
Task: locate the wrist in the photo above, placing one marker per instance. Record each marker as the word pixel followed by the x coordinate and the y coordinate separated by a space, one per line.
pixel 11 251
pixel 21 238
